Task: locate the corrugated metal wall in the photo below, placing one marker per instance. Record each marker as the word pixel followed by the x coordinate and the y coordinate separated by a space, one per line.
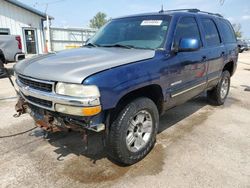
pixel 16 19
pixel 64 38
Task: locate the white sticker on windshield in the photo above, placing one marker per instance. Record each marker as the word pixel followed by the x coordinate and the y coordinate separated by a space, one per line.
pixel 151 22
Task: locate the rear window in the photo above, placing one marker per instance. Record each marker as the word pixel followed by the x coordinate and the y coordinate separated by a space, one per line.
pixel 211 33
pixel 227 32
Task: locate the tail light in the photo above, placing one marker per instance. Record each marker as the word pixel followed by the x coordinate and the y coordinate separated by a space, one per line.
pixel 18 38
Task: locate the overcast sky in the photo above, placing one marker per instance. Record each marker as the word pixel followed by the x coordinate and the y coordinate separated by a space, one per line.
pixel 77 13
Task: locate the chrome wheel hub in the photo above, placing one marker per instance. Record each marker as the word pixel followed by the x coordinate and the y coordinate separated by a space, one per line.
pixel 139 131
pixel 224 88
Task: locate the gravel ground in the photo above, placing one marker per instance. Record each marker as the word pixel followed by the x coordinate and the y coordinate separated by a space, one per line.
pixel 198 146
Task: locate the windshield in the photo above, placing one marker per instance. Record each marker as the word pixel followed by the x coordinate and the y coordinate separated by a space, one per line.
pixel 146 32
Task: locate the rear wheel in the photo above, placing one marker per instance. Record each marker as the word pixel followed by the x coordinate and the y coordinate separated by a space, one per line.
pixel 133 132
pixel 2 69
pixel 218 94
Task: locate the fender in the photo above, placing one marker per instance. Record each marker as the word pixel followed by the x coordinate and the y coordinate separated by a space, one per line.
pixel 119 81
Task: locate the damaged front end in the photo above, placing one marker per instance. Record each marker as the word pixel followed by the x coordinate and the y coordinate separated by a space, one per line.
pixel 55 111
pixel 51 121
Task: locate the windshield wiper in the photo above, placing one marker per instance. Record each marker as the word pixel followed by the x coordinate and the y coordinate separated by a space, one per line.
pixel 91 44
pixel 119 46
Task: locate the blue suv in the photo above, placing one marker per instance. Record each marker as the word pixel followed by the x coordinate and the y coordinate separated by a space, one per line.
pixel 127 75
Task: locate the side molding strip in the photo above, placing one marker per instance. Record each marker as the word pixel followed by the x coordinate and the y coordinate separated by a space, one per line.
pixel 184 91
pixel 212 79
pixel 176 83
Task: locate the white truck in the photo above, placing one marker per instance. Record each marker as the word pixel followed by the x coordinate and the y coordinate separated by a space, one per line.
pixel 10 51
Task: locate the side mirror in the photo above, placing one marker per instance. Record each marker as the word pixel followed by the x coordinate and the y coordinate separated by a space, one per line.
pixel 188 45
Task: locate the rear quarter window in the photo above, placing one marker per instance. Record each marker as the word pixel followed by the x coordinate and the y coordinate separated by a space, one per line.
pixel 227 32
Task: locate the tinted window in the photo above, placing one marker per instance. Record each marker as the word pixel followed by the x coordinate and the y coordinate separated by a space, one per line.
pixel 211 32
pixel 227 32
pixel 187 28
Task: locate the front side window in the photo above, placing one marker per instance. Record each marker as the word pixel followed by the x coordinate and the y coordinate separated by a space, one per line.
pixel 211 33
pixel 187 28
pixel 146 32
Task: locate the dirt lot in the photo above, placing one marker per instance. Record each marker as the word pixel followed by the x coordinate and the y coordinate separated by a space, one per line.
pixel 199 146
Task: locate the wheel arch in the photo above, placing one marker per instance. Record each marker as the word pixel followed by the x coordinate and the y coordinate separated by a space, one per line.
pixel 153 92
pixel 230 67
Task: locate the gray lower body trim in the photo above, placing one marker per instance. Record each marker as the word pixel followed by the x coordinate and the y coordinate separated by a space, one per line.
pixel 212 79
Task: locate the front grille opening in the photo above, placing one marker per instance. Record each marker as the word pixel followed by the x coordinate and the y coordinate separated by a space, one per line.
pixel 36 85
pixel 41 102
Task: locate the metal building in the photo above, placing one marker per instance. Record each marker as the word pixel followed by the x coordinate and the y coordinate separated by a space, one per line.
pixel 17 18
pixel 65 38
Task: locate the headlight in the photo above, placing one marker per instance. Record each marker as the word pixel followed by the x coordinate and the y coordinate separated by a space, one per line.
pixel 77 90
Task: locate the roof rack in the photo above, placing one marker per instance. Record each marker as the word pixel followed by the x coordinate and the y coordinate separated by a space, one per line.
pixel 193 10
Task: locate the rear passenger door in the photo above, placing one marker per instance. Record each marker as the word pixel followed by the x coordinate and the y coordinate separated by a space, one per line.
pixel 229 40
pixel 215 50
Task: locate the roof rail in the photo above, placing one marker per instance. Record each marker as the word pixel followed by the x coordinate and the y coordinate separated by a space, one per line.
pixel 193 10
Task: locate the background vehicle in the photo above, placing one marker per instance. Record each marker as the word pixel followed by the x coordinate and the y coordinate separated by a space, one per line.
pixel 242 45
pixel 248 44
pixel 2 61
pixel 11 47
pixel 128 74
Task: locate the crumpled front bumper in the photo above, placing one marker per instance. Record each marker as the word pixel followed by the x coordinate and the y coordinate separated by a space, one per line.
pixel 46 101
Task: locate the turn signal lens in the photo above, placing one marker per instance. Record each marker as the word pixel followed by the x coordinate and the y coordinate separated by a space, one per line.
pixel 78 111
pixel 90 111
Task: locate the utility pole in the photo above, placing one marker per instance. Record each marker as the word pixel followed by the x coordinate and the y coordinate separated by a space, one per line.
pixel 48 41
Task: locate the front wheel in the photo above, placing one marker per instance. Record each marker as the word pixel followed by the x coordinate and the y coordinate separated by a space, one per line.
pixel 218 94
pixel 133 133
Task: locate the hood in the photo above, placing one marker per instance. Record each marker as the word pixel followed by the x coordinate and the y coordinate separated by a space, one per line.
pixel 75 65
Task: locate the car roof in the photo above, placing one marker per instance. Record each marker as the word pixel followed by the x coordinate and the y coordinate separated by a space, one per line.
pixel 178 12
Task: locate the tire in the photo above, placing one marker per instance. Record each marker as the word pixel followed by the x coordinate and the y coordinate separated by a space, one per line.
pixel 218 94
pixel 132 134
pixel 2 69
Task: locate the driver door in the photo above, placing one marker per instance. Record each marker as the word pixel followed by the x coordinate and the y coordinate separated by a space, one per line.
pixel 187 70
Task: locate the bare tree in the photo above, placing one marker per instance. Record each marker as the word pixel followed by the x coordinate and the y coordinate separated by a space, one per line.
pixel 237 29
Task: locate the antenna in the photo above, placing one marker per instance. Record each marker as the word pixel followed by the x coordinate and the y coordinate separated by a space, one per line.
pixel 162 9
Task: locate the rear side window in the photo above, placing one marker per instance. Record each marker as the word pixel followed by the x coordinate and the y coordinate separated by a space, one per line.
pixel 187 28
pixel 211 32
pixel 227 32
